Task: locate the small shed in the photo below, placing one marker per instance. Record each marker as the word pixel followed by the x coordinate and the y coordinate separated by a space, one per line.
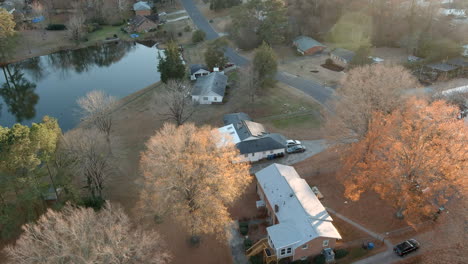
pixel 142 8
pixel 442 69
pixel 307 46
pixel 342 57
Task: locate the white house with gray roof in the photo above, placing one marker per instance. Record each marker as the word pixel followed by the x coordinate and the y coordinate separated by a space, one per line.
pixel 251 138
pixel 300 225
pixel 210 88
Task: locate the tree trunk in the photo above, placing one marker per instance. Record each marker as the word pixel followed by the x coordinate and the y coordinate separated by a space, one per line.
pixel 52 181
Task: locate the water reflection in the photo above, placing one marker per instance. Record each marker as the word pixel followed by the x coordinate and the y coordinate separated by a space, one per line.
pixel 18 94
pixel 83 60
pixel 51 84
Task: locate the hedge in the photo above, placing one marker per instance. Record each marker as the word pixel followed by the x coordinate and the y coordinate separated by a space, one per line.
pixel 56 27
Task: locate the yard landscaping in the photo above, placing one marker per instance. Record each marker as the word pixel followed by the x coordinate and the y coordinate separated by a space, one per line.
pixel 135 121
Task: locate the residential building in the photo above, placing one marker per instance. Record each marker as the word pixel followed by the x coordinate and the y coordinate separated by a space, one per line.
pixel 300 226
pixel 342 57
pixel 142 8
pixel 198 70
pixel 252 139
pixel 142 23
pixel 307 46
pixel 210 88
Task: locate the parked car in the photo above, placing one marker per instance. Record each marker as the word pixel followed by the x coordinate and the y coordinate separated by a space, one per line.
pixel 291 142
pixel 406 247
pixel 295 149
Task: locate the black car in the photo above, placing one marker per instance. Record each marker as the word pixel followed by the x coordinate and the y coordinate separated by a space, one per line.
pixel 295 149
pixel 406 247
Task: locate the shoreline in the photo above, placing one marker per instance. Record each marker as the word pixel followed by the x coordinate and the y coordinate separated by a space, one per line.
pixel 47 51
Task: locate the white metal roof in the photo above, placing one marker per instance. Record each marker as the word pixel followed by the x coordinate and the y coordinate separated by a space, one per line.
pixel 229 133
pixel 301 215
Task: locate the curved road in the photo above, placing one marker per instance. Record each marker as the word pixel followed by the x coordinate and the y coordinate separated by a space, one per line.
pixel 319 92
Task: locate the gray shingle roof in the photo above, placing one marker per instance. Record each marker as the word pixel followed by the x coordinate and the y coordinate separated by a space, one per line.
pixel 266 143
pixel 443 67
pixel 138 6
pixel 235 118
pixel 462 62
pixel 196 67
pixel 345 54
pixel 212 83
pixel 304 43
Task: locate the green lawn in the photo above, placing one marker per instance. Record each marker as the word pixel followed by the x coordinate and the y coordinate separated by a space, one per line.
pixel 109 31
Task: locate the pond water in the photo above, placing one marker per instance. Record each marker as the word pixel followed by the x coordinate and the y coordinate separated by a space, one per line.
pixel 51 84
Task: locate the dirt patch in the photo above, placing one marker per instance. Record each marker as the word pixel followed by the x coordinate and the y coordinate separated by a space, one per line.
pixel 332 67
pixel 311 67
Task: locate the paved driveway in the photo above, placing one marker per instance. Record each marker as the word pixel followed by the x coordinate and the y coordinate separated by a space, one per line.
pixel 313 147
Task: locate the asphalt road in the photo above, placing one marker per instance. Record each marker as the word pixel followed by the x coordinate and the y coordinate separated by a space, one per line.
pixel 320 93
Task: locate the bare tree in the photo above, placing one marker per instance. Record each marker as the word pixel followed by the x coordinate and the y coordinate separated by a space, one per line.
pixel 192 174
pixel 249 82
pixel 365 90
pixel 89 157
pixel 96 108
pixel 176 97
pixel 82 235
pixel 76 24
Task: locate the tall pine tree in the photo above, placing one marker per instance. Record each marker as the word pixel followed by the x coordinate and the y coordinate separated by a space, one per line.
pixel 171 66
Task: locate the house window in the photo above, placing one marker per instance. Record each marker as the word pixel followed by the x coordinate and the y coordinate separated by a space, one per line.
pixel 253 154
pixel 289 250
pixel 264 152
pixel 246 155
pixel 325 243
pixel 215 98
pixel 205 98
pixel 283 251
pixel 271 151
pixel 305 246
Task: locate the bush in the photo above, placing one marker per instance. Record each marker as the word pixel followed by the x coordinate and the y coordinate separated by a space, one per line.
pixel 179 34
pixel 118 24
pixel 92 27
pixel 56 27
pixel 247 243
pixel 90 202
pixel 319 259
pixel 256 259
pixel 341 253
pixel 187 29
pixel 198 36
pixel 244 230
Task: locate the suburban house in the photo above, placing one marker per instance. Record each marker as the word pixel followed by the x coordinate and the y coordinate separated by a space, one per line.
pixel 252 139
pixel 210 88
pixel 9 6
pixel 143 23
pixel 308 46
pixel 142 8
pixel 198 70
pixel 300 226
pixel 342 57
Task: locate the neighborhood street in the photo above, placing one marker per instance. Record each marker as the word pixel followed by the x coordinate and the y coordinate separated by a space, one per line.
pixel 319 92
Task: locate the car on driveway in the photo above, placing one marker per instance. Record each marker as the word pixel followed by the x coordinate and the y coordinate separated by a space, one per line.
pixel 295 149
pixel 406 247
pixel 291 142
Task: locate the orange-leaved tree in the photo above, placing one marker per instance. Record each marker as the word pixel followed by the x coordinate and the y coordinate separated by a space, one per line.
pixel 189 175
pixel 416 158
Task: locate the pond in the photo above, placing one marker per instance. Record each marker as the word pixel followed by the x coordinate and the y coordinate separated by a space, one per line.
pixel 51 84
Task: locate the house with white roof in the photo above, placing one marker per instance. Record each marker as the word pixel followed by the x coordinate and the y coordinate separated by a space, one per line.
pixel 254 142
pixel 301 226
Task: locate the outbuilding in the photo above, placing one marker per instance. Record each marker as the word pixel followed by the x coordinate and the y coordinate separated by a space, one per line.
pixel 342 57
pixel 198 70
pixel 307 46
